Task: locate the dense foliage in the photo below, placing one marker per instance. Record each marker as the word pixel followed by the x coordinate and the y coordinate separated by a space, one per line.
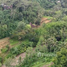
pixel 22 12
pixel 61 59
pixel 46 39
pixel 47 4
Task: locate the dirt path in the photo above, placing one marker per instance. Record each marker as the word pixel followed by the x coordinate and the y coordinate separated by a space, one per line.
pixel 3 43
pixel 43 20
pixel 16 59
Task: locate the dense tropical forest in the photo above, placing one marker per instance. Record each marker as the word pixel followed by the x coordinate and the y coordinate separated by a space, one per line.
pixel 33 33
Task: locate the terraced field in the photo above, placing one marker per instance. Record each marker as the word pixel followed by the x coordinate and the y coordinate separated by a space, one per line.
pixel 4 42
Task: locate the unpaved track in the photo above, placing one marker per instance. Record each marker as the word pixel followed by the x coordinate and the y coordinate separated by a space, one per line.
pixel 43 20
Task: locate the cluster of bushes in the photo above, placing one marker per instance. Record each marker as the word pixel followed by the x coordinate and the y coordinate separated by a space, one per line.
pixel 5 49
pixel 53 36
pixel 49 38
pixel 21 48
pixel 20 15
pixel 33 56
pixel 0 59
pixel 52 39
pixel 61 59
pixel 47 4
pixel 30 34
pixel 15 20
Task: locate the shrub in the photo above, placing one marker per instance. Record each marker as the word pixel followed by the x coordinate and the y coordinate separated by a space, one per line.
pixel 61 59
pixel 4 50
pixel 41 48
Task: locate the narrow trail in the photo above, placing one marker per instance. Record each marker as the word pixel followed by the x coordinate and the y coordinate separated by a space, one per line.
pixel 45 20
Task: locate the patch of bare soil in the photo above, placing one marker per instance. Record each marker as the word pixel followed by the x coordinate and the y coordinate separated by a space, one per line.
pixel 23 55
pixel 45 20
pixel 16 59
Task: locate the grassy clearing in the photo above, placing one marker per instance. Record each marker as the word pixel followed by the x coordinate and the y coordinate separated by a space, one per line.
pixel 40 64
pixel 43 62
pixel 13 42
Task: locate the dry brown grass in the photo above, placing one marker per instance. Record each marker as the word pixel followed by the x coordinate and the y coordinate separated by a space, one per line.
pixel 45 20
